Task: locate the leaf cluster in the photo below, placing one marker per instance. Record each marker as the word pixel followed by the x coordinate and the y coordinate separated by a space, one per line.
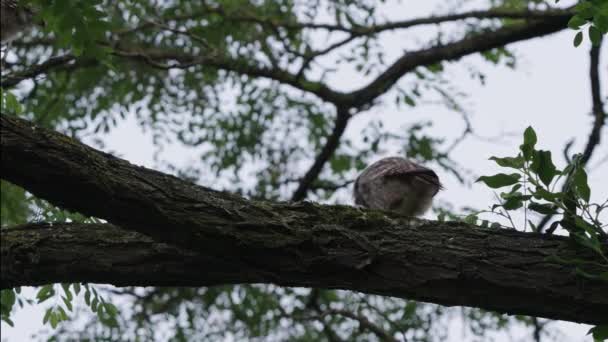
pixel 594 15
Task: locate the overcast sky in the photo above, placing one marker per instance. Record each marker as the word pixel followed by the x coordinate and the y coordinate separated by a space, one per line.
pixel 549 90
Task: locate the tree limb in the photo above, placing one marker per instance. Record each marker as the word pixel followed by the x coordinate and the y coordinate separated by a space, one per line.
pixel 39 69
pixel 541 25
pixel 333 141
pixel 599 115
pixel 475 43
pixel 599 119
pixel 393 25
pixel 363 323
pixel 227 239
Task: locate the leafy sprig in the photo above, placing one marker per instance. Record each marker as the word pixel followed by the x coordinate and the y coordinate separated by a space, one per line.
pixel 534 187
pixel 594 15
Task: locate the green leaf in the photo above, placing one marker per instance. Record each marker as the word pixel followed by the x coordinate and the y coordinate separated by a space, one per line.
pixel 66 290
pixel 409 100
pixel 87 297
pixel 54 319
pixel 543 166
pixel 76 288
pixel 500 180
pixel 94 304
pixel 578 39
pixel 530 136
pixel 340 163
pixel 10 103
pixel 512 162
pixel 527 148
pixel 513 203
pixel 47 315
pixel 62 314
pixel 471 219
pixel 542 208
pixel 580 184
pixel 585 10
pixel 7 300
pixel 8 321
pixel 601 22
pixel 595 35
pixel 67 303
pixel 576 21
pixel 542 193
pixel 587 227
pixel 599 332
pixel 110 309
pixel 45 292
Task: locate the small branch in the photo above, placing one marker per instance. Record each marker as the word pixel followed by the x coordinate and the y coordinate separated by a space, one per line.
pixel 39 69
pixel 333 141
pixel 598 106
pixel 368 30
pixel 599 120
pixel 363 322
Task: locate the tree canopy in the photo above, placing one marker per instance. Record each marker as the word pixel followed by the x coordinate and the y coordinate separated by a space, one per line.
pixel 248 241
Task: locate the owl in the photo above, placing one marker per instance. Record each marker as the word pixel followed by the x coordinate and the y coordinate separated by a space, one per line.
pixel 13 19
pixel 397 184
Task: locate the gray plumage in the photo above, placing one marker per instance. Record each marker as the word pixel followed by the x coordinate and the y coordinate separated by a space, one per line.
pixel 397 184
pixel 14 19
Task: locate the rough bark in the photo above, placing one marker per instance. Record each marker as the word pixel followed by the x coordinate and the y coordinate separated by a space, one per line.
pixel 224 238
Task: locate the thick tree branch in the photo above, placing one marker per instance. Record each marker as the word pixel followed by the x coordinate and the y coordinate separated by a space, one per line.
pixel 476 43
pixel 239 241
pixel 493 269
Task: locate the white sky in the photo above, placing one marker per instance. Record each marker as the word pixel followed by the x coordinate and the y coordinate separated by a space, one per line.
pixel 549 90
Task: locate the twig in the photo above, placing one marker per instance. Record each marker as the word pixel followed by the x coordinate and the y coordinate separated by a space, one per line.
pixel 598 122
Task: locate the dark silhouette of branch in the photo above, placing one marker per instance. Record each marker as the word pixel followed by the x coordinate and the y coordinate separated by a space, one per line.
pixel 599 119
pixel 333 141
pixel 475 43
pixel 39 69
pixel 598 106
pixel 360 30
pixel 363 323
pixel 168 58
pixel 203 237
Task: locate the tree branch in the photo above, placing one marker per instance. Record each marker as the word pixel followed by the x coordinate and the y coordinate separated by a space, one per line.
pixel 599 119
pixel 360 30
pixel 333 141
pixel 599 115
pixel 505 270
pixel 227 239
pixel 541 23
pixel 39 69
pixel 364 323
pixel 476 43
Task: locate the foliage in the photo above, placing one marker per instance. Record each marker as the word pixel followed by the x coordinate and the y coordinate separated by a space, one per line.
pixel 593 13
pixel 533 187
